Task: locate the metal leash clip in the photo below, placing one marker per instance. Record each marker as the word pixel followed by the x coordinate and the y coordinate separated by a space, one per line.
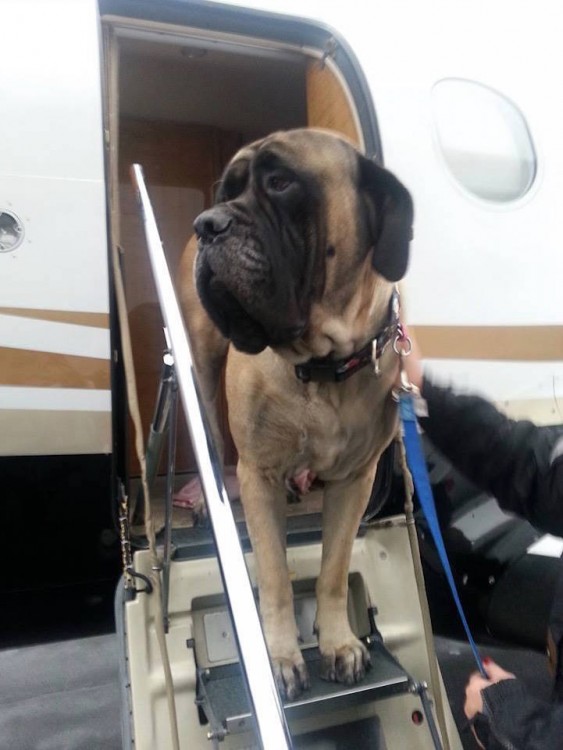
pixel 402 346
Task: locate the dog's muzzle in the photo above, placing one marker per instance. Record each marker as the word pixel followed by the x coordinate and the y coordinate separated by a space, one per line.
pixel 248 301
pixel 212 223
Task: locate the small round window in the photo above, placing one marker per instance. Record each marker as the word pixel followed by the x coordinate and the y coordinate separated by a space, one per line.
pixel 11 231
pixel 484 139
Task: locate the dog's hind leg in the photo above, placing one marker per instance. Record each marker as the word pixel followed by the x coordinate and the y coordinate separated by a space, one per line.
pixel 264 504
pixel 344 657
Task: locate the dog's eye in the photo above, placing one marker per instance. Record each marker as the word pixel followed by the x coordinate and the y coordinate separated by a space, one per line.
pixel 277 183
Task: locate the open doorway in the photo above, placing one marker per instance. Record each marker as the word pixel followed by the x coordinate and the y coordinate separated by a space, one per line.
pixel 181 104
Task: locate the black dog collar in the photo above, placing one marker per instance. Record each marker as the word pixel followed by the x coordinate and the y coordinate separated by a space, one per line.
pixel 327 370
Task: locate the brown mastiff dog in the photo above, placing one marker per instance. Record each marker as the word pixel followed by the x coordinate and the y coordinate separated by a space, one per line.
pixel 295 266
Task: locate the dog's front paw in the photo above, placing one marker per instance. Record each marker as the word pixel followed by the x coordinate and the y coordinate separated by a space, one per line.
pixel 346 662
pixel 291 675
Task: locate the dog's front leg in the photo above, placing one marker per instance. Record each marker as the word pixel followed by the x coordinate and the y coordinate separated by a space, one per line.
pixel 264 504
pixel 344 657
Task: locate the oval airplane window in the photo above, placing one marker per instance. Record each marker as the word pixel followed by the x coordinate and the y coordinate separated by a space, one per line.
pixel 484 139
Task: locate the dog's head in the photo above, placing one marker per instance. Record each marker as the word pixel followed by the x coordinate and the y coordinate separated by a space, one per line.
pixel 299 217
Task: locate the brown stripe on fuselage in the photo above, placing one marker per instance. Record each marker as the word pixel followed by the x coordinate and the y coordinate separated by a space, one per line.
pixel 90 319
pixel 518 343
pixel 22 367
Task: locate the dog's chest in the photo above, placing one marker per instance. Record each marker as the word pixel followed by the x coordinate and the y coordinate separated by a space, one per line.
pixel 340 432
pixel 285 427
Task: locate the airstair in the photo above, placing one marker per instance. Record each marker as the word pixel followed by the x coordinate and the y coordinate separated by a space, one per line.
pixel 195 668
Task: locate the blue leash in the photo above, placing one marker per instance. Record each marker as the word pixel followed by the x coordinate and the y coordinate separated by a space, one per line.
pixel 417 466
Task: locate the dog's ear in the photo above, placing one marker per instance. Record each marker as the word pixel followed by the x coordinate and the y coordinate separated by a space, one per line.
pixel 391 214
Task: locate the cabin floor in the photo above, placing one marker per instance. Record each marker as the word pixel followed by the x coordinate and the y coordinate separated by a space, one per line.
pixel 183 517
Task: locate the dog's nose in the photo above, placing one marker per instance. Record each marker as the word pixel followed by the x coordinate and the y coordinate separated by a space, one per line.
pixel 212 223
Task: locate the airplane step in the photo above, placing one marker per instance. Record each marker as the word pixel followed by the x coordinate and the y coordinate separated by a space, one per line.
pixel 223 700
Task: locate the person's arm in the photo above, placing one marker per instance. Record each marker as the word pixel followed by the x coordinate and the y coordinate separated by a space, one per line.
pixel 504 715
pixel 520 463
pixel 518 720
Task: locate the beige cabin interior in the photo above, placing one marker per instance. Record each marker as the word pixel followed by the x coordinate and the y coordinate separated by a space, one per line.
pixel 182 109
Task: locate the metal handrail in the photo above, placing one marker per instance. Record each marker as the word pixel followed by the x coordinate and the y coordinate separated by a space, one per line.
pixel 255 662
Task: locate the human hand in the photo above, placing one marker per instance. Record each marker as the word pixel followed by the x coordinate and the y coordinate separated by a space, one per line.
pixel 473 698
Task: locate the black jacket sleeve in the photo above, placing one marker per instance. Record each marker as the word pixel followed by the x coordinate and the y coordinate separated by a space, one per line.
pixel 518 721
pixel 518 462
